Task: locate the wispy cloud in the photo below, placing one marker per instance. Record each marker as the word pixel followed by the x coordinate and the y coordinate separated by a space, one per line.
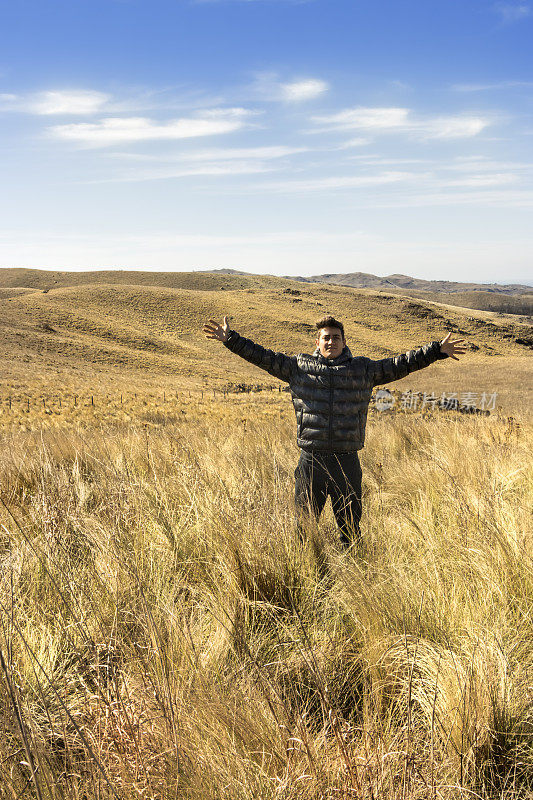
pixel 297 91
pixel 358 141
pixel 484 164
pixel 7 100
pixel 404 87
pixel 452 127
pixel 121 130
pixel 208 169
pixel 392 120
pixel 430 181
pixel 270 87
pixel 365 118
pixel 373 161
pixel 79 102
pixel 216 162
pixel 218 154
pixel 513 12
pixel 68 102
pixel 266 153
pixel 485 87
pixel 478 181
pixel 130 101
pixel 504 198
pixel 11 102
pixel 340 182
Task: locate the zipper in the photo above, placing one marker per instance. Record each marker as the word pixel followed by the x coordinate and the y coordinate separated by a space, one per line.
pixel 330 436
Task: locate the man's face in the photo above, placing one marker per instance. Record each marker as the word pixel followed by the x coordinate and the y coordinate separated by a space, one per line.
pixel 330 342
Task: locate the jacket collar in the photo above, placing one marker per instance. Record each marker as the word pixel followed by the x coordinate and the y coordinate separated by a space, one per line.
pixel 334 362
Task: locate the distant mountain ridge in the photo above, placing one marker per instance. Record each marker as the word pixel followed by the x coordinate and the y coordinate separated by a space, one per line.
pixel 95 331
pixel 513 299
pixel 40 279
pixel 365 280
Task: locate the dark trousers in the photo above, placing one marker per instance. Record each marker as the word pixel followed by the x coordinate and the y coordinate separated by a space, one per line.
pixel 337 475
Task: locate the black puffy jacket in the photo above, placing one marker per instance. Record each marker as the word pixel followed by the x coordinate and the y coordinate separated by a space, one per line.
pixel 331 396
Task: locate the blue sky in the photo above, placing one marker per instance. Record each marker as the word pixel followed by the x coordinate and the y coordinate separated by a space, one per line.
pixel 291 137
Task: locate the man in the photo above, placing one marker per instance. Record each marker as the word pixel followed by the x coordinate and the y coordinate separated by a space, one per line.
pixel 331 391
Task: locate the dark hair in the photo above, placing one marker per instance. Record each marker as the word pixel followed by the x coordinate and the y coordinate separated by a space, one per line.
pixel 329 322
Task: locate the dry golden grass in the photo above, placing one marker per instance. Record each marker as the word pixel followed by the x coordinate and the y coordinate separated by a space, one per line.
pixel 164 634
pixel 96 338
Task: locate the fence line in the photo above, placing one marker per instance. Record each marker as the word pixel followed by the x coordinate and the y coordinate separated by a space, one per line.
pixel 404 401
pixel 94 400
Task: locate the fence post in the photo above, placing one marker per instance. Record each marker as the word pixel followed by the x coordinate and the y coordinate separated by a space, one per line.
pixel 92 400
pixel 28 405
pixel 44 403
pixel 75 399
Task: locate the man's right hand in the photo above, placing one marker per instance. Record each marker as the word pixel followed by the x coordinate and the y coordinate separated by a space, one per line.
pixel 213 330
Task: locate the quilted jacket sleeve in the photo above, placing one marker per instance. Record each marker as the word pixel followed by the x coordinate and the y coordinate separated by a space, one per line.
pixel 277 364
pixel 392 369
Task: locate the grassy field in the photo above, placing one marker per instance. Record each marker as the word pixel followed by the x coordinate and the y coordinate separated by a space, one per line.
pixel 487 301
pixel 165 634
pixel 97 338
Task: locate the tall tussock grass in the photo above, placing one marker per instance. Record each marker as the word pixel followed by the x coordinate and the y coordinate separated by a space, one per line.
pixel 165 632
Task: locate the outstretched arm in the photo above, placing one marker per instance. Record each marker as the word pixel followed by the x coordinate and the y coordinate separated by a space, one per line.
pixel 392 369
pixel 277 364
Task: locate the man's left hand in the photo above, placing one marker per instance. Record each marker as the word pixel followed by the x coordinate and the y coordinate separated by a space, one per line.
pixel 452 347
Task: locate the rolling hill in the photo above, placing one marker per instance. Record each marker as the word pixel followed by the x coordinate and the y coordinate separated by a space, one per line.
pixel 104 330
pixel 511 298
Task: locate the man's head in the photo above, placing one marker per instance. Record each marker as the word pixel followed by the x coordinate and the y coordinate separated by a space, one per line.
pixel 330 337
